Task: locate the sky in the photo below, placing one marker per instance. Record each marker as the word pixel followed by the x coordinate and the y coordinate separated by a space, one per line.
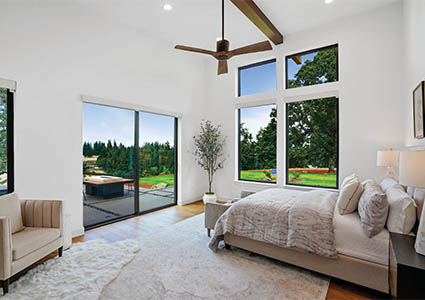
pixel 259 79
pixel 103 123
pixel 255 118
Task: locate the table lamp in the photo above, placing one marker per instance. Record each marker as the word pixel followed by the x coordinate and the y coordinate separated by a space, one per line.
pixel 412 173
pixel 389 159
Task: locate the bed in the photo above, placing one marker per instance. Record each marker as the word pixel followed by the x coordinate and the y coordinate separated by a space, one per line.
pixel 358 259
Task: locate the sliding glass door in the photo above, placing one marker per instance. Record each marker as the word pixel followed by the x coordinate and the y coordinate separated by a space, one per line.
pixel 108 163
pixel 157 161
pixel 129 163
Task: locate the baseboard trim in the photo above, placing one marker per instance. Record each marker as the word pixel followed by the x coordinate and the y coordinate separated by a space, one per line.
pixel 188 201
pixel 78 232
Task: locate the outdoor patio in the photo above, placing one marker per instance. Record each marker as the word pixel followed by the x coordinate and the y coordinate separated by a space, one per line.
pixel 97 210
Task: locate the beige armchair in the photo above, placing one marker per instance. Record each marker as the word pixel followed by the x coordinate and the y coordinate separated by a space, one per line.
pixel 25 241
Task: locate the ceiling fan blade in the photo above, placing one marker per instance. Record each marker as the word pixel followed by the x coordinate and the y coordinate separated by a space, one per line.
pixel 258 47
pixel 222 67
pixel 197 50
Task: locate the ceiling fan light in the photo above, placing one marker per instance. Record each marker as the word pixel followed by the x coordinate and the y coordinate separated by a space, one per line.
pixel 167 7
pixel 329 1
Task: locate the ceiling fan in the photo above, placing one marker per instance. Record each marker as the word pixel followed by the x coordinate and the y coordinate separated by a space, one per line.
pixel 222 54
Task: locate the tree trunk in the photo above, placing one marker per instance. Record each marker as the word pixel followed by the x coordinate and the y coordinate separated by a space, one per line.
pixel 331 165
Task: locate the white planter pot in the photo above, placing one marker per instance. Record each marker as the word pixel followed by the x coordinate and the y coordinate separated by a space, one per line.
pixel 209 198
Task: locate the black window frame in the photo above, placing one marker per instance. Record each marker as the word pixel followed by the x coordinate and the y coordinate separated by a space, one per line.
pixel 10 150
pixel 273 60
pixel 288 57
pixel 287 152
pixel 136 164
pixel 239 148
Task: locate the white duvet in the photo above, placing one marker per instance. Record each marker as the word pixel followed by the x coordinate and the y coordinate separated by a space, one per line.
pixel 352 241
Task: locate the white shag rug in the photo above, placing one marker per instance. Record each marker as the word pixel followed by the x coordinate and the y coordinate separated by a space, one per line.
pixel 81 273
pixel 176 263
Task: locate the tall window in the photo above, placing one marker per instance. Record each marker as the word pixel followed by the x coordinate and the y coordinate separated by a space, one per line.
pixel 312 143
pixel 312 67
pixel 257 78
pixel 257 143
pixel 6 142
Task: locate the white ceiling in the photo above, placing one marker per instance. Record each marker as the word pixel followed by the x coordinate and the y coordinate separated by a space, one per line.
pixel 197 22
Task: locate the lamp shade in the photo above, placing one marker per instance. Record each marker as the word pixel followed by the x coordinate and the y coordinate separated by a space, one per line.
pixel 387 158
pixel 412 168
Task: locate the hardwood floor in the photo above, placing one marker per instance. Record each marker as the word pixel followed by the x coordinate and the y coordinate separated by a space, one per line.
pixel 126 229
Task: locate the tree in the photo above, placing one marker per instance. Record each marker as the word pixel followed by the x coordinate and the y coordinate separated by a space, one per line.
pixel 247 149
pixel 313 135
pixel 312 128
pixel 265 147
pixel 323 68
pixel 209 149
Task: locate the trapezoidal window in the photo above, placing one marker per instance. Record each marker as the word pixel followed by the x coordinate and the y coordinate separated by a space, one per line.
pixel 312 67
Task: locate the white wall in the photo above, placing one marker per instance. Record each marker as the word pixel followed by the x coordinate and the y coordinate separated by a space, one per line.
pixel 414 60
pixel 371 107
pixel 56 53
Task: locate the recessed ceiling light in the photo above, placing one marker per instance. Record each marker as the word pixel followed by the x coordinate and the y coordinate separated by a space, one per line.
pixel 167 7
pixel 329 1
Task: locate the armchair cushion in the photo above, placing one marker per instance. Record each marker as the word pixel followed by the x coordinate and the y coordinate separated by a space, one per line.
pixel 31 239
pixel 10 206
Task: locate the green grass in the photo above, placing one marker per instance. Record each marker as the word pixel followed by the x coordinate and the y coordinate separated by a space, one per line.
pixel 325 180
pixel 255 175
pixel 152 180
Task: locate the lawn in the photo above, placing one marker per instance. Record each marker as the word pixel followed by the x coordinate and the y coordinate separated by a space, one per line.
pixel 257 175
pixel 327 180
pixel 152 180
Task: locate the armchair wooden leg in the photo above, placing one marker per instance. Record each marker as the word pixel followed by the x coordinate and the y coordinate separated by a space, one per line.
pixel 60 250
pixel 209 232
pixel 5 284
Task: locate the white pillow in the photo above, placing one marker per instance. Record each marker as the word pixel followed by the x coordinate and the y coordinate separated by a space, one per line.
pixel 10 206
pixel 349 195
pixel 348 178
pixel 387 183
pixel 367 181
pixel 402 214
pixel 419 197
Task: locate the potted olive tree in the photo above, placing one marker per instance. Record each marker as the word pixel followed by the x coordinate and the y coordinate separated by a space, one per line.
pixel 209 152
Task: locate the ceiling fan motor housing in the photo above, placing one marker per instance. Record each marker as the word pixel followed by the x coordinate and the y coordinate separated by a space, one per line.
pixel 223 45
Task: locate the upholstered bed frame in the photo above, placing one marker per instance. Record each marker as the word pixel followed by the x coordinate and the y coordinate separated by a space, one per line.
pixel 359 271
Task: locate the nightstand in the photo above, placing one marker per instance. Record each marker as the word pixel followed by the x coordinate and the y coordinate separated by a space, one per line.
pixel 406 268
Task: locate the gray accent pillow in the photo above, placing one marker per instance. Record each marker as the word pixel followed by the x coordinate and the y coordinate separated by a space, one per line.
pixel 373 209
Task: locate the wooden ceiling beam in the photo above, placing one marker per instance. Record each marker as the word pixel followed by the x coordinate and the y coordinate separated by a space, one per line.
pixel 297 59
pixel 254 13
